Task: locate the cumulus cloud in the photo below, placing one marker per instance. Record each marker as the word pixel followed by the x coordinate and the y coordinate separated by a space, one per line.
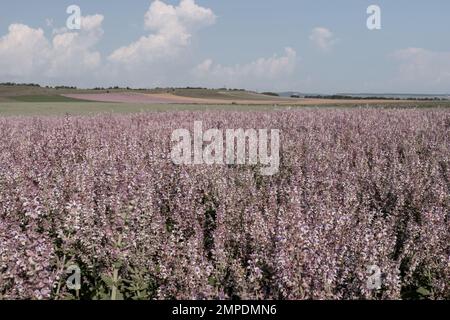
pixel 73 53
pixel 171 28
pixel 322 38
pixel 27 55
pixel 71 57
pixel 261 72
pixel 162 57
pixel 421 68
pixel 23 50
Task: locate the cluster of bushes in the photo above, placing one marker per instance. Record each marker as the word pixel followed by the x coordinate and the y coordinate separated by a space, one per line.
pixel 13 84
pixel 273 94
pixel 64 87
pixel 345 97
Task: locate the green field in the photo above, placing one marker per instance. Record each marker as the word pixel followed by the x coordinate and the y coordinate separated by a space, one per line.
pixel 91 108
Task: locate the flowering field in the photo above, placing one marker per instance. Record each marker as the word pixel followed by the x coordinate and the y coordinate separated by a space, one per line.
pixel 355 189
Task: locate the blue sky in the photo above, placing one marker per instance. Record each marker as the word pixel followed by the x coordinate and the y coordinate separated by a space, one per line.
pixel 309 46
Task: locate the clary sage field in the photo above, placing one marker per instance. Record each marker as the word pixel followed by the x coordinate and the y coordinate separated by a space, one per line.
pixel 360 193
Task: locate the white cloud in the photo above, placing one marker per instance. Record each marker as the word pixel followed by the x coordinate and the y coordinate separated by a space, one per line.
pixel 23 50
pixel 92 24
pixel 27 55
pixel 186 16
pixel 422 69
pixel 259 73
pixel 322 38
pixel 73 53
pixel 163 57
pixel 172 28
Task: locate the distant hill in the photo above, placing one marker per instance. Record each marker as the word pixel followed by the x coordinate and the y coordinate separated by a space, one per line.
pixel 36 93
pixel 10 92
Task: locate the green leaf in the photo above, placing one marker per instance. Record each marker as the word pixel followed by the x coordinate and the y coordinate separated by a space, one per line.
pixel 423 292
pixel 108 280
